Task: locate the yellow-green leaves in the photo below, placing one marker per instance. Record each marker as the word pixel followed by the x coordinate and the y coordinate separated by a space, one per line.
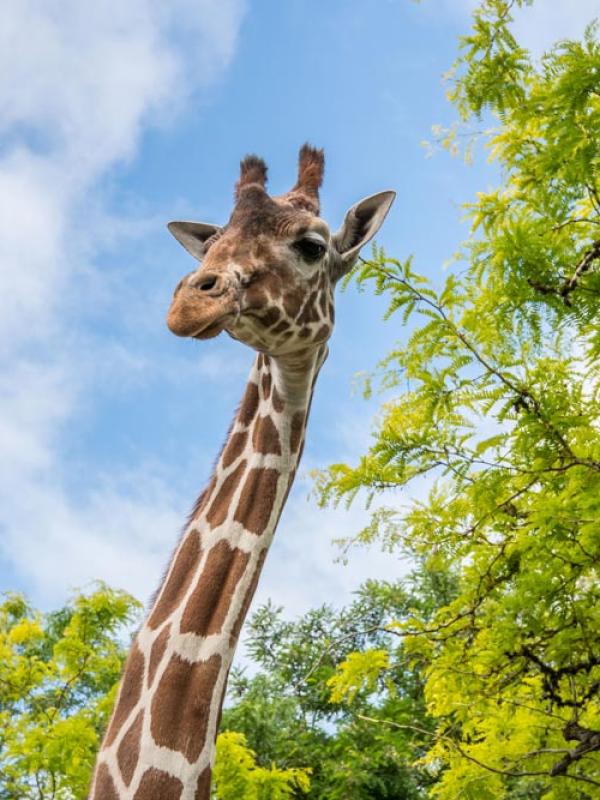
pixel 359 671
pixel 497 404
pixel 58 674
pixel 492 71
pixel 238 777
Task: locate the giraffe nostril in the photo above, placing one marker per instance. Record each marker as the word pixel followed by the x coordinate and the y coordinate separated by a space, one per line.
pixel 207 284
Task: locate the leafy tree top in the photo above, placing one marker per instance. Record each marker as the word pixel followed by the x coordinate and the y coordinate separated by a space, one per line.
pixel 497 403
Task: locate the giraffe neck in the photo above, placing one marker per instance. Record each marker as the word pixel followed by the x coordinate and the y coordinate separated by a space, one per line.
pixel 160 741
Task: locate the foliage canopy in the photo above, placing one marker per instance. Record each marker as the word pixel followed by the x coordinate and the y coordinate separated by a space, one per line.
pixel 498 403
pixel 58 677
pixel 285 710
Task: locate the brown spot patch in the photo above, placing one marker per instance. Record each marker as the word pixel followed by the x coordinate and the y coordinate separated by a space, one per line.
pixel 296 430
pixel 234 448
pixel 281 327
pixel 277 401
pixel 304 332
pixel 322 333
pixel 309 312
pixel 208 606
pixel 203 786
pixel 156 653
pixel 266 384
pixel 104 786
pixel 271 316
pixel 201 502
pixel 292 302
pixel 237 625
pixel 257 499
pixel 158 785
pixel 181 706
pixel 323 303
pixel 180 575
pixel 265 437
pixel 129 694
pixel 221 701
pixel 129 749
pixel 249 404
pixel 217 513
pixel 273 280
pixel 256 296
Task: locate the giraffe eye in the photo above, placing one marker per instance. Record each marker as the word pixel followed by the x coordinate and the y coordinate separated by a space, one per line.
pixel 309 249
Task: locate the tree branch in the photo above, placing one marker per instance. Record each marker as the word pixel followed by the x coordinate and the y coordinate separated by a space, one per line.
pixel 582 267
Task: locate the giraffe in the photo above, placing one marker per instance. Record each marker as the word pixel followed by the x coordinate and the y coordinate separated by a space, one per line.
pixel 267 278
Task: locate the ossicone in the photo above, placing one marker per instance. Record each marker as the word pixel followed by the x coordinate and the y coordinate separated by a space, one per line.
pixel 253 172
pixel 311 167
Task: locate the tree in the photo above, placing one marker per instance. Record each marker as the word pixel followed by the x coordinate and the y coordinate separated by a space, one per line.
pixel 59 674
pixel 285 711
pixel 58 677
pixel 498 402
pixel 237 775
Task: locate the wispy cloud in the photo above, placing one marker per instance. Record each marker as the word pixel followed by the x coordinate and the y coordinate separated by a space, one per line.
pixel 304 568
pixel 537 27
pixel 79 85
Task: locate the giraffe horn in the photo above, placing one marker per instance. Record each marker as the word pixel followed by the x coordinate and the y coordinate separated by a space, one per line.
pixel 253 171
pixel 311 166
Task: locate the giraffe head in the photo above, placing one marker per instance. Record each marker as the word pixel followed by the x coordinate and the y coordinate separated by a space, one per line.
pixel 268 276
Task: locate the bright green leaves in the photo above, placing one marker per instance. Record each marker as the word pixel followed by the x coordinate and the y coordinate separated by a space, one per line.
pixel 285 711
pixel 360 671
pixel 237 775
pixel 540 228
pixel 58 675
pixel 497 404
pixel 492 70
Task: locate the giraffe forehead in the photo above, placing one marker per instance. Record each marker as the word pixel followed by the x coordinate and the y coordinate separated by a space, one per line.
pixel 278 217
pixel 259 225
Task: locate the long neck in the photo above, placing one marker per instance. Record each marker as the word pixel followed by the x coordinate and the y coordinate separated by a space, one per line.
pixel 160 741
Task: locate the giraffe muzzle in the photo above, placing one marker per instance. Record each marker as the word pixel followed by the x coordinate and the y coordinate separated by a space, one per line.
pixel 201 306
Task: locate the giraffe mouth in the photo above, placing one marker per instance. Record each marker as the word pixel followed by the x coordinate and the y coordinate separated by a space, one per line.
pixel 210 332
pixel 196 316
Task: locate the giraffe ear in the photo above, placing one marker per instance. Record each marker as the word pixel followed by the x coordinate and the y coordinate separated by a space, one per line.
pixel 360 224
pixel 193 235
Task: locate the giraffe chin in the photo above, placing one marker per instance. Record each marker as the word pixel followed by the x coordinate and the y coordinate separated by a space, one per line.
pixel 209 333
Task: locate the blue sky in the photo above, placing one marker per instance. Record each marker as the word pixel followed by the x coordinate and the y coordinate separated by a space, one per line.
pixel 116 118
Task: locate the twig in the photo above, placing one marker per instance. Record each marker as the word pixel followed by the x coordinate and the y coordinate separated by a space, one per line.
pixel 582 267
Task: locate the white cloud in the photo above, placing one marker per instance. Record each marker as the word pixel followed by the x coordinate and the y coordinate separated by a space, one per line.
pixel 536 27
pixel 79 83
pixel 116 534
pixel 539 26
pixel 303 570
